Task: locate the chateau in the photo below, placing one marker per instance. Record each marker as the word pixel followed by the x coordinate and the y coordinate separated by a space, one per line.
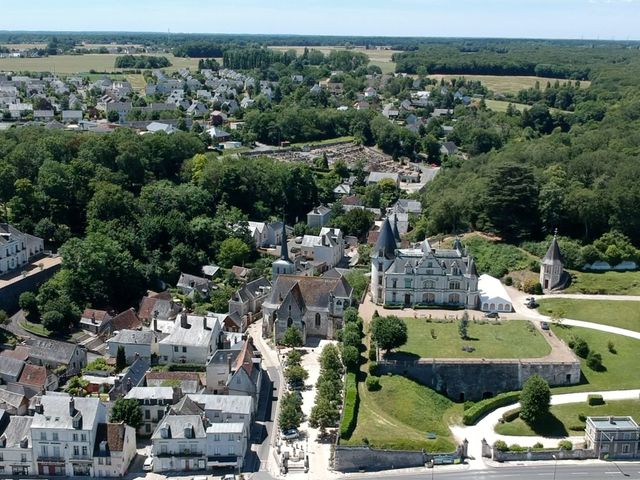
pixel 421 275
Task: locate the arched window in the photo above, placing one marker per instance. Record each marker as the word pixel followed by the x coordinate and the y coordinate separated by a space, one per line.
pixel 429 298
pixel 428 284
pixel 454 298
pixel 339 303
pixel 318 320
pixel 454 285
pixel 485 306
pixel 492 307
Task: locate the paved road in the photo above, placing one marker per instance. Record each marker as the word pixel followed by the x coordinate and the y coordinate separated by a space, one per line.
pixel 574 471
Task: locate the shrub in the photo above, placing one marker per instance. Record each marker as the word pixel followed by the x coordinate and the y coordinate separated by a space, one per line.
pixel 514 447
pixel 565 445
pixel 611 347
pixel 467 405
pixel 582 417
pixel 500 445
pixel 595 400
pixel 581 347
pixel 350 357
pixel 350 411
pixel 373 384
pixel 480 409
pixel 373 369
pixel 538 445
pixel 511 415
pixel 508 281
pixel 594 361
pixel 372 354
pixel 577 428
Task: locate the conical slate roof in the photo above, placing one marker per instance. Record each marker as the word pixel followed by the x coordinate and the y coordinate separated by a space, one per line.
pixel 284 248
pixel 396 232
pixel 471 267
pixel 386 244
pixel 553 255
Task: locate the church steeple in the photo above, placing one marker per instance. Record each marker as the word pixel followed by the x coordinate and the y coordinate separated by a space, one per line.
pixel 396 232
pixel 283 265
pixel 284 247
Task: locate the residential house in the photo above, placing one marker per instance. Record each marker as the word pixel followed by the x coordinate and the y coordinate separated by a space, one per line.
pixel 218 135
pixel 190 284
pixel 43 115
pixel 405 205
pixel 158 307
pixel 63 433
pixel 421 275
pixel 361 105
pixel 375 177
pixel 37 379
pixel 448 148
pixel 154 402
pixel 16 454
pixel 247 301
pixel 54 354
pixel 125 320
pixel 196 109
pixel 136 344
pixel 613 437
pixel 390 111
pixel 210 271
pixel 13 403
pixel 187 382
pixel 71 116
pixel 313 305
pixel 17 248
pixel 328 247
pixel 225 408
pixel 179 443
pixel 114 449
pixel 155 127
pixel 226 444
pixel 241 273
pixel 94 321
pixel 341 190
pixel 319 216
pixel 132 376
pixel 193 340
pixel 10 369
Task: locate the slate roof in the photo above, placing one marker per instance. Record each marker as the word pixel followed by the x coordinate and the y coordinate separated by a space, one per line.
pixel 45 349
pixel 182 376
pixel 11 398
pixel 238 404
pixel 177 425
pixel 186 406
pixel 11 367
pixel 165 307
pixel 191 281
pixel 151 393
pixel 386 242
pixel 98 315
pixel 235 427
pixel 251 290
pixel 18 428
pixel 553 255
pixel 20 352
pixel 133 337
pixel 240 272
pixel 34 375
pixel 56 412
pixel 195 335
pixel 113 434
pixel 313 291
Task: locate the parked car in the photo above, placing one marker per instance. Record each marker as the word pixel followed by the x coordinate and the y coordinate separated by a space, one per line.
pixel 290 434
pixel 531 303
pixel 544 325
pixel 229 476
pixel 491 315
pixel 147 466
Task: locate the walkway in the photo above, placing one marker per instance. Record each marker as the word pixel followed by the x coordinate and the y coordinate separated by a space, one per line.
pixel 484 429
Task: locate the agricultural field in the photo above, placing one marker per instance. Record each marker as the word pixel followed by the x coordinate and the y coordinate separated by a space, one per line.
pixel 401 414
pixel 505 339
pixel 605 283
pixel 381 58
pixel 71 64
pixel 508 84
pixel 617 374
pixel 608 312
pixel 565 419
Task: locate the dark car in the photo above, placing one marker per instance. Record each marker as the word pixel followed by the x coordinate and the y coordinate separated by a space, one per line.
pixel 491 315
pixel 531 303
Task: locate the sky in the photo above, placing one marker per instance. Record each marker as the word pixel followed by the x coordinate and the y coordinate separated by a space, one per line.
pixel 595 19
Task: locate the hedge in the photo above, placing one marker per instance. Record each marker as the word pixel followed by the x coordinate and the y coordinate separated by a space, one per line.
pixel 480 409
pixel 351 403
pixel 511 415
pixel 595 400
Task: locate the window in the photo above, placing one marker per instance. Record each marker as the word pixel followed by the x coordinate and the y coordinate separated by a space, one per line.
pixel 1 457
pixel 318 320
pixel 163 449
pixel 147 415
pixel 231 439
pixel 75 437
pixel 76 450
pixel 83 437
pixel 454 298
pixel 147 428
pixel 43 435
pixel 428 284
pixel 23 457
pixel 216 437
pixel 184 349
pixel 394 283
pixel 108 460
pixel 289 321
pixel 100 461
pixel 407 283
pixel 55 436
pixel 44 451
pixel 379 279
pixel 56 451
pixel 175 348
pixel 454 285
pixel 429 298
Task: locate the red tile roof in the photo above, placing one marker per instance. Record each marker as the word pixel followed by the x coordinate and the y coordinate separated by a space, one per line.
pixel 33 375
pixel 127 320
pixel 245 358
pixel 98 315
pixel 21 352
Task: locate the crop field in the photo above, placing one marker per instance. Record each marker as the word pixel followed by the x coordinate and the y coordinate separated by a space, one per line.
pixel 70 64
pixel 507 84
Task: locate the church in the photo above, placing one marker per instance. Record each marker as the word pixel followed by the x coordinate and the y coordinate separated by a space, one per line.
pixel 421 275
pixel 552 275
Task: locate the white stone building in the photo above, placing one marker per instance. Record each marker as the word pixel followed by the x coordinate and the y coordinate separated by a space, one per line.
pixel 17 248
pixel 193 340
pixel 16 454
pixel 328 247
pixel 115 448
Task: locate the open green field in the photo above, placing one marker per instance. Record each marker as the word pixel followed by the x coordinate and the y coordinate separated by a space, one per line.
pixel 501 106
pixel 506 339
pixel 381 58
pixel 608 312
pixel 508 84
pixel 324 142
pixel 70 64
pixel 619 373
pixel 564 419
pixel 605 283
pixel 401 414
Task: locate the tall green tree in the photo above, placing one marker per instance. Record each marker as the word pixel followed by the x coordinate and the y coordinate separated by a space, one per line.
pixel 127 410
pixel 535 399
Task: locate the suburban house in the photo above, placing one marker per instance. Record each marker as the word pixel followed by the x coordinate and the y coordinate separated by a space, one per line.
pixel 189 284
pixel 153 401
pixel 54 354
pixel 16 454
pixel 265 234
pixel 319 216
pixel 375 177
pixel 114 449
pixel 227 444
pixel 63 433
pixel 448 148
pixel 17 248
pixel 328 247
pixel 94 321
pixel 421 275
pixel 313 305
pixel 193 340
pixel 247 301
pixel 613 437
pixel 136 343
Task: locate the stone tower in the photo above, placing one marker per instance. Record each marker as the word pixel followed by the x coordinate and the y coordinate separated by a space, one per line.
pixel 552 266
pixel 382 256
pixel 283 266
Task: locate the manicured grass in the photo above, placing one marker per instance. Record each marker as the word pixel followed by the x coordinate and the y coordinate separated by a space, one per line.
pixel 605 283
pixel 401 414
pixel 564 419
pixel 620 372
pixel 35 328
pixel 505 339
pixel 69 64
pixel 508 84
pixel 608 312
pixel 324 142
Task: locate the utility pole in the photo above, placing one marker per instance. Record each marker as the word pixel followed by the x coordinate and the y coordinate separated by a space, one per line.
pixel 555 466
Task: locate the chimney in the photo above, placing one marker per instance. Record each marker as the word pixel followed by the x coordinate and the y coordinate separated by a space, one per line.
pixel 155 323
pixel 39 407
pixel 204 323
pixel 72 407
pixel 183 319
pixel 229 361
pixel 136 356
pixel 129 384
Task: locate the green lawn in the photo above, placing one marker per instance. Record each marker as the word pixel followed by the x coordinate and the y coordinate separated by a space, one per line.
pixel 324 142
pixel 619 374
pixel 501 106
pixel 608 312
pixel 507 83
pixel 506 339
pixel 564 419
pixel 35 328
pixel 401 414
pixel 611 283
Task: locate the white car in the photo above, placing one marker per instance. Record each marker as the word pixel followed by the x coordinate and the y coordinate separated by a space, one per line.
pixel 147 466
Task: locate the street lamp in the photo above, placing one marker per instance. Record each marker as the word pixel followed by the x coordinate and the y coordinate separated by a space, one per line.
pixel 555 466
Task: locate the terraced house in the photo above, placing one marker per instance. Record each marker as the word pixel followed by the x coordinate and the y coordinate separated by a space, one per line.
pixel 421 275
